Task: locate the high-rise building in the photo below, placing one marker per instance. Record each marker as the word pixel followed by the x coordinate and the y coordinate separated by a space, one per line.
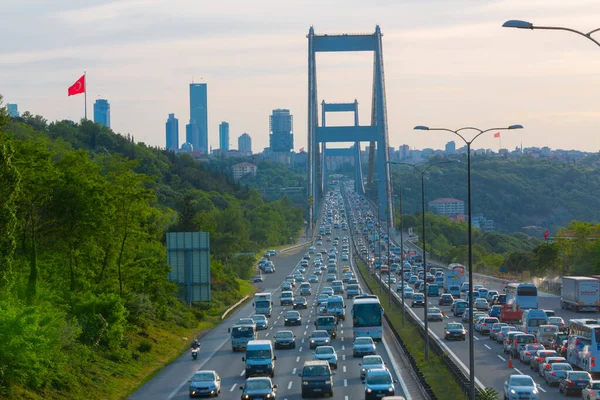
pixel 199 114
pixel 192 135
pixel 281 125
pixel 224 135
pixel 172 132
pixel 245 143
pixel 13 110
pixel 102 112
pixel 450 147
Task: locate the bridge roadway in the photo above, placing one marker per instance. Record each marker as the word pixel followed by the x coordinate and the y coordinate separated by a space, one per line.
pixel 216 352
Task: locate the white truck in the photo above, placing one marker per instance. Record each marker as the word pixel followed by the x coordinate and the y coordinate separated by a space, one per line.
pixel 263 304
pixel 580 293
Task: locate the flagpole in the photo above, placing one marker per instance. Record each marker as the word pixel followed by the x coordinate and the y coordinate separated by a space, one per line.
pixel 85 96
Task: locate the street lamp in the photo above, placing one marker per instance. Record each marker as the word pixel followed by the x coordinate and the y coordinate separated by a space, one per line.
pixel 515 23
pixel 422 169
pixel 402 189
pixel 379 239
pixel 470 244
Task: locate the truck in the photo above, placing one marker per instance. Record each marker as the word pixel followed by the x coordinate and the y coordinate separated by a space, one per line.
pixel 263 304
pixel 511 314
pixel 580 293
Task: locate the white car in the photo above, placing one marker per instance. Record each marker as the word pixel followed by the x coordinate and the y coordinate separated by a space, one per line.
pixel 481 304
pixel 326 353
pixel 520 387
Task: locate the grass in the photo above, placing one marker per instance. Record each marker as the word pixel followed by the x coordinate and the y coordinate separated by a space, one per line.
pixel 440 379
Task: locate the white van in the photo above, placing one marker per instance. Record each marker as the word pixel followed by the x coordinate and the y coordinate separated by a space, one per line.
pixel 260 358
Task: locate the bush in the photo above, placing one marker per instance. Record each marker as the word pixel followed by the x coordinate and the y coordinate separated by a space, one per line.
pixel 102 318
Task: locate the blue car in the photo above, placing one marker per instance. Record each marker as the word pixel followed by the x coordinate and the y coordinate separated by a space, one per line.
pixel 495 311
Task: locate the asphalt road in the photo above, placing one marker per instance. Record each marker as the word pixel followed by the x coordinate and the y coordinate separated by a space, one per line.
pixel 216 352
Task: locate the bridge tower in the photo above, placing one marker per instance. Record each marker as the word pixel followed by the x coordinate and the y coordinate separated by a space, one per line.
pixel 376 133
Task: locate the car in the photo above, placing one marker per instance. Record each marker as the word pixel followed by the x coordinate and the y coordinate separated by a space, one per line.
pixel 259 388
pixel 418 300
pixel 434 314
pixel 520 387
pixel 455 330
pixel 556 372
pixel 519 343
pixel 408 292
pixel 370 362
pixel 322 299
pixel 574 382
pixel 547 362
pixel 314 278
pixel 286 298
pixel 331 277
pixel 495 311
pixel 558 321
pixel 256 278
pixel 363 346
pixel 326 353
pixel 501 336
pixel 591 391
pixel 316 378
pixel 539 357
pixel 491 295
pixel 446 299
pixel 261 321
pixel 486 325
pixel 379 383
pixel 246 321
pixel 305 289
pixel 495 329
pixel 286 286
pixel 284 340
pixel 549 313
pixel 507 344
pixel 205 383
pixel 318 338
pixel 478 322
pixel 557 340
pixel 300 303
pixel 481 304
pixel 292 318
pixel 529 351
pixel 328 290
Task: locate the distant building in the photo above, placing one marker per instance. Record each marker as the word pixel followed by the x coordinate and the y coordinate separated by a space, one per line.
pixel 281 126
pixel 486 225
pixel 245 143
pixel 447 206
pixel 404 151
pixel 242 169
pixel 13 110
pixel 102 112
pixel 192 135
pixel 450 148
pixel 187 147
pixel 172 132
pixel 199 116
pixel 224 136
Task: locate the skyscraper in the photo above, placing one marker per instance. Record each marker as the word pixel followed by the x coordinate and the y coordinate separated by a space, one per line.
pixel 281 125
pixel 13 110
pixel 192 135
pixel 172 132
pixel 199 115
pixel 450 148
pixel 245 143
pixel 224 136
pixel 102 112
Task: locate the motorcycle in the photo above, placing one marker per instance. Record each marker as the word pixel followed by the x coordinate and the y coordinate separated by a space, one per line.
pixel 195 352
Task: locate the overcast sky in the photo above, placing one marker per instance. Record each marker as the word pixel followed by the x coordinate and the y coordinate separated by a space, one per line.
pixel 447 64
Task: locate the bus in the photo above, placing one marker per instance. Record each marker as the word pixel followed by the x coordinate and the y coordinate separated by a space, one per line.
pixel 367 317
pixel 454 275
pixel 524 295
pixel 584 344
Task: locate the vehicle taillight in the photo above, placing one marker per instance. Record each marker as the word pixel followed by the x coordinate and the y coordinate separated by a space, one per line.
pixel 484 324
pixel 540 359
pixel 591 393
pixel 554 373
pixel 534 340
pixel 548 366
pixel 527 353
pixel 570 382
pixel 593 361
pixel 562 324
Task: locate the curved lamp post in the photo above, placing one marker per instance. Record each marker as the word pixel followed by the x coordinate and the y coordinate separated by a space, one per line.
pixel 422 169
pixel 470 259
pixel 515 23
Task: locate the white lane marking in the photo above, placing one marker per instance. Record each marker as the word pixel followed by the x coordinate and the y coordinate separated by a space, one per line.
pixel 500 357
pixel 541 388
pixel 278 317
pixel 345 382
pixel 475 337
pixel 488 347
pixel 270 329
pixel 233 387
pixel 306 327
pixel 290 385
pixel 294 371
pixel 303 340
pixel 520 373
pixel 297 359
pixel 343 348
pixel 243 372
pixel 342 325
pixel 342 332
pixel 397 370
pixel 342 338
pixel 345 397
pixel 267 334
pixel 304 333
pixel 300 348
pixel 344 368
pixel 344 358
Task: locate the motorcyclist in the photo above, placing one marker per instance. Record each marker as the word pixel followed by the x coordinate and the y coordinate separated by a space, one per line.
pixel 195 344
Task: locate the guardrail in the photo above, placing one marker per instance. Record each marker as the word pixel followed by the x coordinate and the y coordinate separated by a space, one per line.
pixel 296 246
pixel 233 307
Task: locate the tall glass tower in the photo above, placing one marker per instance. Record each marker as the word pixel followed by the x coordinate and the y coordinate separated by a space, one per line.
pixel 245 143
pixel 224 136
pixel 102 112
pixel 199 115
pixel 172 132
pixel 281 125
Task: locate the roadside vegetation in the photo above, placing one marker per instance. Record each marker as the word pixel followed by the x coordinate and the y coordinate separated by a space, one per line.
pixel 86 309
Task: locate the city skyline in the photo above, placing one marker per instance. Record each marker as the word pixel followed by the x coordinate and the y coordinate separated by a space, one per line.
pixel 447 64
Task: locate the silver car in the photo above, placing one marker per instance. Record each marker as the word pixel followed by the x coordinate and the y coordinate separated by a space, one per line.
pixel 363 346
pixel 520 387
pixel 370 362
pixel 326 353
pixel 205 383
pixel 556 372
pixel 319 338
pixel 529 351
pixel 591 391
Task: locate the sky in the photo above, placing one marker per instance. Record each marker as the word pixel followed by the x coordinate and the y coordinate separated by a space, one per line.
pixel 448 63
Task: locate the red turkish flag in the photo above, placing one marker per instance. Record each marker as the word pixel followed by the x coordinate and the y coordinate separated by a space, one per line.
pixel 497 135
pixel 546 234
pixel 78 87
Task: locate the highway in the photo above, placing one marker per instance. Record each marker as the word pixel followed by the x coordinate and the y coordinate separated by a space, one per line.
pixel 490 361
pixel 216 352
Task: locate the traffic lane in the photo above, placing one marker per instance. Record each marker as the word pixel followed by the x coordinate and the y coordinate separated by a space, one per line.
pixel 172 379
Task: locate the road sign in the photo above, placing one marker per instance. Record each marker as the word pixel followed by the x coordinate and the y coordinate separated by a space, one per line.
pixel 188 254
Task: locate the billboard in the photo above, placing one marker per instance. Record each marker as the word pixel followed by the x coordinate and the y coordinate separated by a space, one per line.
pixel 188 254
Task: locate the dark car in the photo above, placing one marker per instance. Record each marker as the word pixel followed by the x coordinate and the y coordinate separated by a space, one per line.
pixel 446 300
pixel 455 330
pixel 574 382
pixel 285 340
pixel 557 340
pixel 259 388
pixel 539 358
pixel 256 278
pixel 292 318
pixel 300 303
pixel 317 378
